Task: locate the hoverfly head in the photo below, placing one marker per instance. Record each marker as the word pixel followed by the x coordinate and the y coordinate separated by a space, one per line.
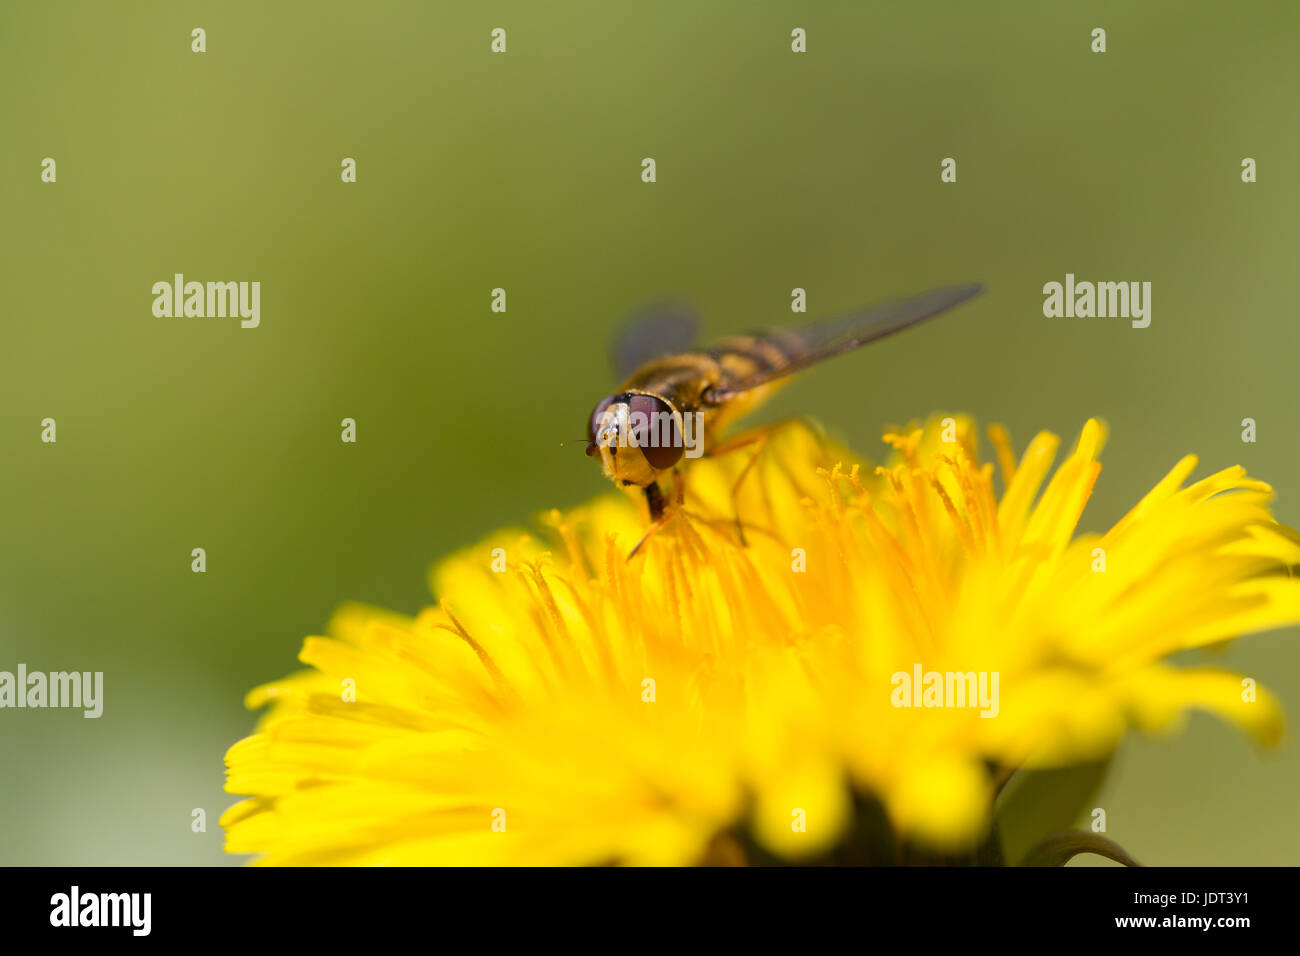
pixel 636 435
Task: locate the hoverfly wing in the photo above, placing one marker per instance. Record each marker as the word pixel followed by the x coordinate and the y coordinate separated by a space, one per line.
pixel 822 340
pixel 655 331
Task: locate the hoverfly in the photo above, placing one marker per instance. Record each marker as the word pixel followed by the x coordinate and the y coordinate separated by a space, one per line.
pixel 675 400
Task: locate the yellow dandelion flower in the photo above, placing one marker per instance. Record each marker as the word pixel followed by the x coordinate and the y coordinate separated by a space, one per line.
pixel 884 649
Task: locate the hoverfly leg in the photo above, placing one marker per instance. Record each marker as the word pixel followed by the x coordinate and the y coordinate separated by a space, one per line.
pixel 650 533
pixel 761 442
pixel 758 437
pixel 654 499
pixel 679 487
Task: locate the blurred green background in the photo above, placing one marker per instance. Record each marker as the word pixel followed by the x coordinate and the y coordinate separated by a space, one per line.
pixel 522 171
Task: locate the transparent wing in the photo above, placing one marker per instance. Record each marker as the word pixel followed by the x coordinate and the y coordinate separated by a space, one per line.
pixel 822 340
pixel 655 331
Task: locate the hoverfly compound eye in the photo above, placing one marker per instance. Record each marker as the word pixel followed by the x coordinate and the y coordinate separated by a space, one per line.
pixel 596 422
pixel 655 430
